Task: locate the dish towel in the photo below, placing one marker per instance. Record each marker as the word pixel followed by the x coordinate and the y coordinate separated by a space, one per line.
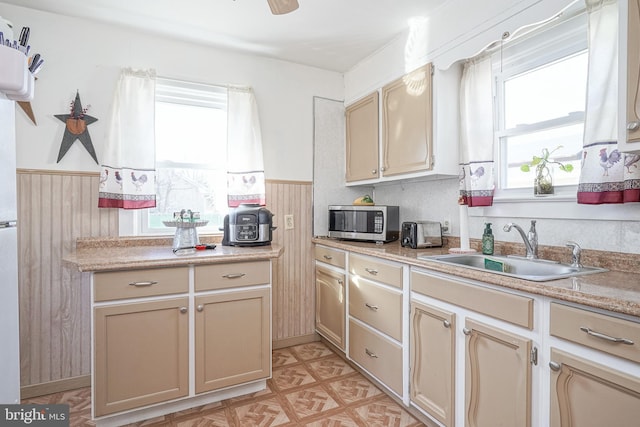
pixel 245 163
pixel 127 176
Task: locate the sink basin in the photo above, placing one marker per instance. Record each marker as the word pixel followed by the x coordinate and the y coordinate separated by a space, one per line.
pixel 521 268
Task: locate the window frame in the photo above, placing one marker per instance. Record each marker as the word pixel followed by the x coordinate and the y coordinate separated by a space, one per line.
pixel 135 222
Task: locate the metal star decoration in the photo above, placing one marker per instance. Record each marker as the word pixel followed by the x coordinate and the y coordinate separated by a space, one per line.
pixel 76 128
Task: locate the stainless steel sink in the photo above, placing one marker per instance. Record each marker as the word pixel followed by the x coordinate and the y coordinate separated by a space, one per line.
pixel 521 268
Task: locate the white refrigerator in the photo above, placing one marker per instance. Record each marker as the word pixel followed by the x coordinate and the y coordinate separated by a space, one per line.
pixel 9 336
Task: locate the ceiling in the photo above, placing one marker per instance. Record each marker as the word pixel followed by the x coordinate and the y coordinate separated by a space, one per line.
pixel 329 34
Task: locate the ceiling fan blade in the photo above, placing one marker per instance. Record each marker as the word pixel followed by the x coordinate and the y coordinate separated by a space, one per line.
pixel 280 7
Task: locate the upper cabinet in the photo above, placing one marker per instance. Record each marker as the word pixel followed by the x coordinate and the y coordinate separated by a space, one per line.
pixel 362 159
pixel 629 114
pixel 395 133
pixel 407 123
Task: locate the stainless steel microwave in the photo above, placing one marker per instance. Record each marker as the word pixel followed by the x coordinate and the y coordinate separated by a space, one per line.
pixel 367 223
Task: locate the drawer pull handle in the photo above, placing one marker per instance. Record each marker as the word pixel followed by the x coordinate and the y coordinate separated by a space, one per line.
pixel 327 257
pixel 595 334
pixel 233 275
pixel 466 331
pixel 446 323
pixel 555 366
pixel 183 310
pixel 142 284
pixel 371 307
pixel 370 353
pixel 200 307
pixel 371 271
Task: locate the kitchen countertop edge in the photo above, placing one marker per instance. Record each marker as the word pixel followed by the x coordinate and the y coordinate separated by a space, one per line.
pixel 614 291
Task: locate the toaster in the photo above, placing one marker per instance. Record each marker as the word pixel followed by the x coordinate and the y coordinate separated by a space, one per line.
pixel 421 234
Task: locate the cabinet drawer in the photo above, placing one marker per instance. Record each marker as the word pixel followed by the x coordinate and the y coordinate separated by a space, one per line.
pixel 379 307
pixel 511 308
pixel 370 268
pixel 231 275
pixel 115 285
pixel 330 256
pixel 605 333
pixel 377 354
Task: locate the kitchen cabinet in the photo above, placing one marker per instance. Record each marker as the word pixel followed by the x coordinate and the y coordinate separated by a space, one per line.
pixel 629 81
pixel 433 348
pixel 362 139
pixel 179 337
pixel 141 349
pixel 376 319
pixel 330 279
pixel 407 123
pixel 494 352
pixel 587 387
pixel 390 134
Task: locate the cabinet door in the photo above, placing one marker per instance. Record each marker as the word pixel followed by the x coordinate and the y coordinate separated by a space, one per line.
pixel 497 377
pixel 632 56
pixel 407 123
pixel 232 338
pixel 330 307
pixel 433 361
pixel 362 139
pixel 587 394
pixel 141 354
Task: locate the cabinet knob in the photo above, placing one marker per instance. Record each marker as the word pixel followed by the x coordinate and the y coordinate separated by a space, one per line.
pixel 200 307
pixel 446 323
pixel 183 310
pixel 466 331
pixel 633 126
pixel 555 366
pixel 340 282
pixel 373 172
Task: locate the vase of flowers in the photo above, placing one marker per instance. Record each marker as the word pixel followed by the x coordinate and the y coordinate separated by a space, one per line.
pixel 543 181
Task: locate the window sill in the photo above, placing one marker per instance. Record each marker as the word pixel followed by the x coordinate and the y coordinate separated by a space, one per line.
pixel 562 205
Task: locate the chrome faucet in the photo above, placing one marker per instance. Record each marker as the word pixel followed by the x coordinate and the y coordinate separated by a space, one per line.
pixel 576 251
pixel 530 239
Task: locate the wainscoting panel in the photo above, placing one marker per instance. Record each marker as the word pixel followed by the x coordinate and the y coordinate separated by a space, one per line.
pixel 55 208
pixel 293 289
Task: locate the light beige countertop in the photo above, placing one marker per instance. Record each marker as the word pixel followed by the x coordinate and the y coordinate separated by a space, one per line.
pixel 105 254
pixel 617 290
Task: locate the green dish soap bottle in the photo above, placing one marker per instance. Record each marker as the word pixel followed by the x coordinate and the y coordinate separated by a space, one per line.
pixel 487 240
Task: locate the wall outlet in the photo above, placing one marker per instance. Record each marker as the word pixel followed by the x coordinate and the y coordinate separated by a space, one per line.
pixel 288 222
pixel 446 227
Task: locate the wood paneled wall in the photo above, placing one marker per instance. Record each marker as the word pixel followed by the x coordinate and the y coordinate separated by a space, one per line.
pixel 55 208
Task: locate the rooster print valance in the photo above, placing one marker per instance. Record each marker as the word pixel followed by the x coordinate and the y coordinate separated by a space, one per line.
pixel 127 174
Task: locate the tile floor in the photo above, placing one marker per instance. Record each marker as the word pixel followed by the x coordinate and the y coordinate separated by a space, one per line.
pixel 311 386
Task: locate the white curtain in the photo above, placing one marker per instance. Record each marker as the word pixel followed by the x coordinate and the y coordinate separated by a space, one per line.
pixel 477 182
pixel 127 178
pixel 245 164
pixel 604 177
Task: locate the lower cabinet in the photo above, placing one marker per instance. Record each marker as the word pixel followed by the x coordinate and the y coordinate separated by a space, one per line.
pixel 141 354
pixel 330 305
pixel 584 393
pixel 232 338
pixel 433 346
pixel 497 377
pixel 494 363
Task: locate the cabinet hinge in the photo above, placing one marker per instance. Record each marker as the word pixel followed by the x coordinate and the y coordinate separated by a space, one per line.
pixel 533 358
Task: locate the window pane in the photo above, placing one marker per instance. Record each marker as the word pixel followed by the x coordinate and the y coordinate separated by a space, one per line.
pixel 518 150
pixel 547 92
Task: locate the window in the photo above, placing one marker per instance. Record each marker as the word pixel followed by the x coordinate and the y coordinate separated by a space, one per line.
pixel 540 93
pixel 191 138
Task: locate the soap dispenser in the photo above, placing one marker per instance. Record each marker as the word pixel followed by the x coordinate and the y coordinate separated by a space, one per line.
pixel 487 240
